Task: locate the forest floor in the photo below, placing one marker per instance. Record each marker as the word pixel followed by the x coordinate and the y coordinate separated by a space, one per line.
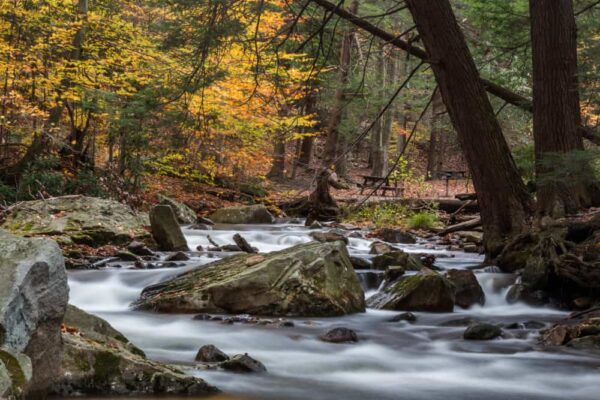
pixel 206 198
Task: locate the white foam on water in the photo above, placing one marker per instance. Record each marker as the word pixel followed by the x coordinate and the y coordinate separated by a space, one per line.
pixel 424 360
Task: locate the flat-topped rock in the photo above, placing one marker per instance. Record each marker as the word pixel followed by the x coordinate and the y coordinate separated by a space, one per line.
pixel 80 219
pixel 311 279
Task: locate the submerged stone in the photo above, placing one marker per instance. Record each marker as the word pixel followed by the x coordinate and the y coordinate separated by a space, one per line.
pixel 339 335
pixel 482 331
pixel 407 316
pixel 243 363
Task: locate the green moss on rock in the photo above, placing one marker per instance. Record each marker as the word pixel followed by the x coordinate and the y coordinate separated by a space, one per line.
pixel 106 365
pixel 313 279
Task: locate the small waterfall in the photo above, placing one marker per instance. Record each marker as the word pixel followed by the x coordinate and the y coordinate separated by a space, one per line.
pixel 370 280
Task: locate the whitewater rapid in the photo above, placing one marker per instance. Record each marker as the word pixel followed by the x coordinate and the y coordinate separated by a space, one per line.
pixel 425 360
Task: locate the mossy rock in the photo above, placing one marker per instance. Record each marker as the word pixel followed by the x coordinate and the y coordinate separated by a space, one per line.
pixel 99 360
pixel 425 291
pixel 84 220
pixel 184 214
pixel 397 258
pixel 15 373
pixel 255 214
pixel 312 279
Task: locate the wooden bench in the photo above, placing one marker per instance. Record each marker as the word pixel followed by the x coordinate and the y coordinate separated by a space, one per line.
pixel 448 175
pixel 379 183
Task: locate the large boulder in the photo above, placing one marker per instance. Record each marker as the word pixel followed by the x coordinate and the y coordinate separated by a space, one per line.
pixel 33 298
pixel 467 290
pixel 311 279
pixel 425 291
pixel 166 230
pixel 255 214
pixel 80 219
pixel 184 214
pixel 101 361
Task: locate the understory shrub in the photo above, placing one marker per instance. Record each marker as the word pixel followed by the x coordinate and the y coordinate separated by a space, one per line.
pixel 381 215
pixel 423 220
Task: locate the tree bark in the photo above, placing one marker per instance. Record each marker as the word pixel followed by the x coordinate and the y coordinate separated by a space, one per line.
pixel 307 145
pixel 436 140
pixel 333 145
pixel 378 137
pixel 502 196
pixel 556 111
pixel 278 166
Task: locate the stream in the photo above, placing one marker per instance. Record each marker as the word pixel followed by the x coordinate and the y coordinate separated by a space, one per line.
pixel 392 360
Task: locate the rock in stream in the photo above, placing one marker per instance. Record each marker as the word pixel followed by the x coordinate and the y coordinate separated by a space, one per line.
pixel 312 279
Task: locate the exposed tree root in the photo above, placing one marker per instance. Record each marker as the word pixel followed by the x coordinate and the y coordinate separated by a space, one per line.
pixel 559 263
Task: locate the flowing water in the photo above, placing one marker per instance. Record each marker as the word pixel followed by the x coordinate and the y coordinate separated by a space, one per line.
pixel 425 360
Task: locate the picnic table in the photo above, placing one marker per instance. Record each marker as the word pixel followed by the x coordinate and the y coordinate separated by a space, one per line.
pixel 379 183
pixel 447 175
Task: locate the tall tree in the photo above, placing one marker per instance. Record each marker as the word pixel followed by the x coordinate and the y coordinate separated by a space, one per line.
pixel 561 188
pixel 381 134
pixel 436 138
pixel 334 145
pixel 503 198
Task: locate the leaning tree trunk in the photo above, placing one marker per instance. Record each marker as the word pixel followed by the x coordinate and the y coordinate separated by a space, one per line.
pixel 556 112
pixel 503 198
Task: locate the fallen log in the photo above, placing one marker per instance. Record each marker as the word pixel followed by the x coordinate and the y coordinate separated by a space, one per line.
pixel 473 223
pixel 466 196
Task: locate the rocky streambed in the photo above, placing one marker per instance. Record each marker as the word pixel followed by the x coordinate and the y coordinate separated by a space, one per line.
pixel 418 356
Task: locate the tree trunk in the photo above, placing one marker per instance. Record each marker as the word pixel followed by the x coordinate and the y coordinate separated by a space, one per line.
pixel 278 167
pixel 556 112
pixel 122 152
pixel 321 204
pixel 306 147
pixel 388 121
pixel 436 139
pixel 502 196
pixel 333 145
pixel 380 136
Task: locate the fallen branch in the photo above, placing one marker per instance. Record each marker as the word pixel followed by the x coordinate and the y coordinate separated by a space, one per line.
pixel 473 223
